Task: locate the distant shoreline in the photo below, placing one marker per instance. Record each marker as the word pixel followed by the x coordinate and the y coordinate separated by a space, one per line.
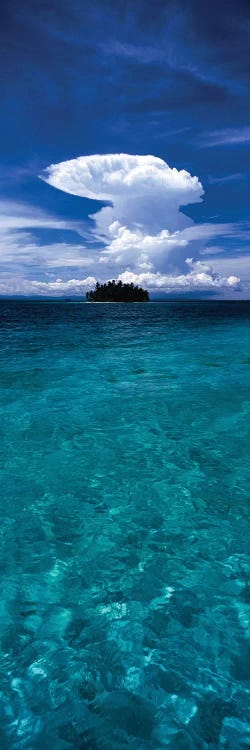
pixel 170 300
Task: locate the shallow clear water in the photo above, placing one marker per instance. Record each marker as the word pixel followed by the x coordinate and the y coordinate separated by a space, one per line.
pixel 125 593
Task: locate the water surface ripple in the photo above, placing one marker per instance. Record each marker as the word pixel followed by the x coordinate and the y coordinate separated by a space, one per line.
pixel 125 593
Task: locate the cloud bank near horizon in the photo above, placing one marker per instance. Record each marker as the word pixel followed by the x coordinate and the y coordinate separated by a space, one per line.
pixel 146 236
pixel 139 232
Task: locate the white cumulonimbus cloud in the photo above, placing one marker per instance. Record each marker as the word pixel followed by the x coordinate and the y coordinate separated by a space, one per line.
pixel 139 233
pixel 143 190
pixel 146 236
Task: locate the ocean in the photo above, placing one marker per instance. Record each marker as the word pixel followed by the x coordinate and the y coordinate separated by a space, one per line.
pixel 125 592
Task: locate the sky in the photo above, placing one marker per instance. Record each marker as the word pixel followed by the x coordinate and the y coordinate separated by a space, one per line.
pixel 125 146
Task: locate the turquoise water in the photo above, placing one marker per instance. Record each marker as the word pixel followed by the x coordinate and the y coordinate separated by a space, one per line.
pixel 125 593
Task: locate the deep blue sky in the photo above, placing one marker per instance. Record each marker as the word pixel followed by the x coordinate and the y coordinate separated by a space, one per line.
pixel 164 78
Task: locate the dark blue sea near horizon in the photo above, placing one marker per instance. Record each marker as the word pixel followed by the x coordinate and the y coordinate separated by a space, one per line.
pixel 125 591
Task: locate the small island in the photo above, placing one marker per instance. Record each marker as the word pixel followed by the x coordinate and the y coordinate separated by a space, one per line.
pixel 116 291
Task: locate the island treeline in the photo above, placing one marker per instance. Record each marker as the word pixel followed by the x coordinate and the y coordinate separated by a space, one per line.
pixel 116 291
